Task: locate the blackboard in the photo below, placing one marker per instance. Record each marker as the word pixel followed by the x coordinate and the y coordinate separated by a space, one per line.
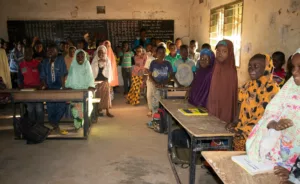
pixel 116 31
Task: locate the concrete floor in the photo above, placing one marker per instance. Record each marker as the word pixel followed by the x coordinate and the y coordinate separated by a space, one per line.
pixel 121 150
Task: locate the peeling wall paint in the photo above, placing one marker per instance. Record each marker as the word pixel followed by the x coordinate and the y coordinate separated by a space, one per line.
pixel 268 26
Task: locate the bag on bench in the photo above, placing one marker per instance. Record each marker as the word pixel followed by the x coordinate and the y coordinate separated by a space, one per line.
pixel 180 148
pixel 33 132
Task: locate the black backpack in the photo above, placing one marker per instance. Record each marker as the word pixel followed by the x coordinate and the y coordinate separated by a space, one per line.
pixel 32 132
pixel 160 125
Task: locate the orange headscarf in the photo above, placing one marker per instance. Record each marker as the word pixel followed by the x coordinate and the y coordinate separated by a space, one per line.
pixel 111 56
pixel 223 94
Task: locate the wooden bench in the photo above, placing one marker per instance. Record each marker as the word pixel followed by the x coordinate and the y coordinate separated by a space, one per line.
pixel 231 173
pixel 199 128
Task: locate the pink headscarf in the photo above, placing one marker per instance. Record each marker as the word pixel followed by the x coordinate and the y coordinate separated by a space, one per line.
pixel 112 58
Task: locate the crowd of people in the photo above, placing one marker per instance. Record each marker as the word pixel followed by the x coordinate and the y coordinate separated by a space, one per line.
pixel 264 113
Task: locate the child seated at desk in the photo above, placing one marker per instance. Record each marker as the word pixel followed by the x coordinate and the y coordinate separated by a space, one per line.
pixel 53 75
pixel 80 77
pixel 275 139
pixel 254 96
pixel 29 77
pixel 160 72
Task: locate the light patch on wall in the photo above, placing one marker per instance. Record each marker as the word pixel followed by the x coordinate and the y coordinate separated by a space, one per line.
pixel 272 20
pixel 200 19
pixel 294 5
pixel 100 9
pixel 247 48
pixel 284 32
pixel 74 13
pixel 136 14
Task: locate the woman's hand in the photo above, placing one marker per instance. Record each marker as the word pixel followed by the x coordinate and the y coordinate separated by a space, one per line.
pixel 282 173
pixel 281 125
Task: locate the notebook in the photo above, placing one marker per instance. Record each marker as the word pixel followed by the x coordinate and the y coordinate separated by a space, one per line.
pixel 252 167
pixel 194 112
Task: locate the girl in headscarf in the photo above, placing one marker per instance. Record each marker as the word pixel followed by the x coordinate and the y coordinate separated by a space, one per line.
pixel 222 98
pixel 275 139
pixel 80 77
pixel 102 71
pixel 140 59
pixel 201 84
pixel 253 98
pixel 112 58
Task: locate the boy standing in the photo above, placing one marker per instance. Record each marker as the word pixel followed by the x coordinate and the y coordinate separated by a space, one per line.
pixel 53 75
pixel 29 77
pixel 193 54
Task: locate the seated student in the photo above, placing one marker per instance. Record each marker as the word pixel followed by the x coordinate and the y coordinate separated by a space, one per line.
pixel 29 77
pixel 16 57
pixel 69 58
pixel 253 98
pixel 80 77
pixel 140 59
pixel 279 73
pixel 173 56
pixel 193 54
pixel 200 86
pixel 150 85
pixel 275 139
pixel 102 71
pixel 184 77
pixel 206 46
pixel 126 64
pixel 222 98
pixel 53 75
pixel 39 53
pixel 178 43
pixel 160 73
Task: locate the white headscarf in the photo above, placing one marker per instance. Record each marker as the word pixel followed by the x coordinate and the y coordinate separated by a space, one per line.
pixel 297 52
pixel 107 70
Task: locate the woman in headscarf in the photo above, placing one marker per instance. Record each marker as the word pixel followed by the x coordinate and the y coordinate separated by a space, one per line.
pixel 80 77
pixel 253 98
pixel 200 86
pixel 275 139
pixel 102 71
pixel 112 58
pixel 222 98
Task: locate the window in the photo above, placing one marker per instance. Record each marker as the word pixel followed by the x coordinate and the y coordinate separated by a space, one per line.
pixel 226 23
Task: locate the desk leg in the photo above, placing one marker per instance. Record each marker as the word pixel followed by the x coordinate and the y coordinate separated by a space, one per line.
pixel 193 161
pixel 86 116
pixel 169 122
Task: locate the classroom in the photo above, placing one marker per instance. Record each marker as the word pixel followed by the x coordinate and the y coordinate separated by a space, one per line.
pixel 152 92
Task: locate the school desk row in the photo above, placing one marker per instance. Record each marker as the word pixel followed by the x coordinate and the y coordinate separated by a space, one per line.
pixel 204 128
pixel 18 96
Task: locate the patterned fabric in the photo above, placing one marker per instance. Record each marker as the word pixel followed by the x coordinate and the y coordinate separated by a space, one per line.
pixel 280 147
pixel 133 96
pixel 295 172
pixel 4 69
pixel 279 77
pixel 104 94
pixel 254 96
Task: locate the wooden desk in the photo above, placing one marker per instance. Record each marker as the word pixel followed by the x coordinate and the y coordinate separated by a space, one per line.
pixel 18 96
pixel 231 173
pixel 199 128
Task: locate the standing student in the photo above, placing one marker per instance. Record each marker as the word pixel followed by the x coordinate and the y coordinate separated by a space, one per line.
pixel 168 47
pixel 193 54
pixel 4 69
pixel 253 98
pixel 111 56
pixel 102 71
pixel 69 58
pixel 80 77
pixel 126 64
pixel 140 59
pixel 149 83
pixel 279 73
pixel 53 75
pixel 160 73
pixel 206 46
pixel 173 56
pixel 199 91
pixel 16 57
pixel 29 77
pixel 39 53
pixel 184 77
pixel 178 43
pixel 61 48
pixel 142 40
pixel 149 50
pixel 222 98
pixel 66 49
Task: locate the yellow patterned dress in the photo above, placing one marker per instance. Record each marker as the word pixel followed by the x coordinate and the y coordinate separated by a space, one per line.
pixel 254 96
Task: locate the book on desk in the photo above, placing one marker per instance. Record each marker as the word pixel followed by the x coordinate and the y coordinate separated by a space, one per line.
pixel 194 111
pixel 252 167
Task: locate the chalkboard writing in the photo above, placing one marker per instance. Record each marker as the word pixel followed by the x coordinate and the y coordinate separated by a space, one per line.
pixel 116 31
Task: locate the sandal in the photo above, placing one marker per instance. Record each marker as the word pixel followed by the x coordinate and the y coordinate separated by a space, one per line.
pixel 110 115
